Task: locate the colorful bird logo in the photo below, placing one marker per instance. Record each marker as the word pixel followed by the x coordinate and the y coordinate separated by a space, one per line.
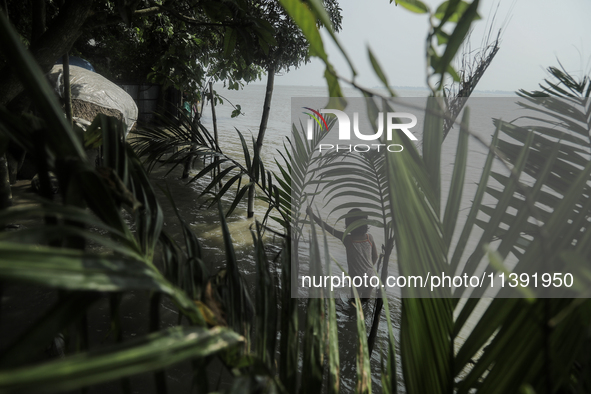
pixel 316 118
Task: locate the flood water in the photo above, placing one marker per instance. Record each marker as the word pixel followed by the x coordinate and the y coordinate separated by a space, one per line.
pixel 205 222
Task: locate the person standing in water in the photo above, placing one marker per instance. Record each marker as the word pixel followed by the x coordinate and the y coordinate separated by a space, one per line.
pixel 361 249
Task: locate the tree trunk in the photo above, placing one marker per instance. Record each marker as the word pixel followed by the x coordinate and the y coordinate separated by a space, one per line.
pixel 266 106
pixel 38 18
pixel 5 191
pixel 262 129
pixel 57 40
pixel 214 120
pixel 67 87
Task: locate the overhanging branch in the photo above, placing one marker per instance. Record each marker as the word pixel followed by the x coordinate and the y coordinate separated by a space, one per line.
pixel 105 19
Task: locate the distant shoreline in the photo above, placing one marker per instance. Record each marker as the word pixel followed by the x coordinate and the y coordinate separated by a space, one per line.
pixel 396 88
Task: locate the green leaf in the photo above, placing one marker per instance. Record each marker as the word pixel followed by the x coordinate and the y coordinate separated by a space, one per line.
pixel 363 366
pixel 63 138
pixel 153 352
pixel 313 348
pixel 442 37
pixel 452 207
pixel 236 299
pixel 432 140
pixel 427 323
pixel 237 111
pixel 77 270
pixel 67 311
pixel 229 41
pixel 448 12
pixel 266 32
pixel 496 262
pixel 455 13
pixel 306 20
pixel 332 334
pixel 478 196
pixel 320 13
pixel 378 71
pixel 265 304
pixel 453 73
pixel 457 38
pixel 501 207
pixel 415 6
pixel 334 90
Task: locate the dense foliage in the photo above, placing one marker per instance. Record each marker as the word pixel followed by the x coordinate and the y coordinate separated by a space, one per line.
pixel 98 242
pixel 181 43
pixel 173 43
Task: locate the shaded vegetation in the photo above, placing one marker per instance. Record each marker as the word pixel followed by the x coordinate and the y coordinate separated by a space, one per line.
pixel 529 345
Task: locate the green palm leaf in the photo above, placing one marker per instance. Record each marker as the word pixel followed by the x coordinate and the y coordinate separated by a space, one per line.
pixel 155 351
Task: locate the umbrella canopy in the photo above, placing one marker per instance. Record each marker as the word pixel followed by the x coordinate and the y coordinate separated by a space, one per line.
pixel 77 61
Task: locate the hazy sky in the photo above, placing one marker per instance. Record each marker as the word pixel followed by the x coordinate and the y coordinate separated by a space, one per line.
pixel 538 33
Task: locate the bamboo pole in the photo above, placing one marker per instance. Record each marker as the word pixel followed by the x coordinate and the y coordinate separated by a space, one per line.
pixel 215 125
pixel 67 87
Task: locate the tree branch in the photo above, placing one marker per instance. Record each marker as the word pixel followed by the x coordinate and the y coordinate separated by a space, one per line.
pixel 147 11
pixel 57 40
pixel 105 19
